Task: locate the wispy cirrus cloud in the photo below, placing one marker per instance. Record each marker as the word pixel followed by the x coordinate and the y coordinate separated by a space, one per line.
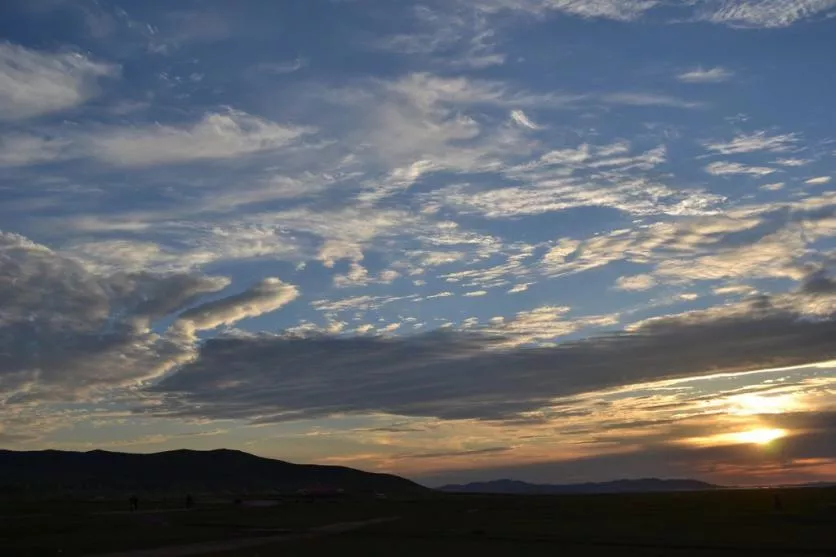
pixel 724 168
pixel 216 136
pixel 705 75
pixel 605 9
pixel 757 141
pixel 762 13
pixel 34 82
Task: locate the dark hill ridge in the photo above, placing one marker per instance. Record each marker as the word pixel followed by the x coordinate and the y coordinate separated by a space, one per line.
pixel 617 486
pixel 181 470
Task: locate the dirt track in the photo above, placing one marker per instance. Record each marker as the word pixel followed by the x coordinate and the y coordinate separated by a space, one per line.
pixel 230 545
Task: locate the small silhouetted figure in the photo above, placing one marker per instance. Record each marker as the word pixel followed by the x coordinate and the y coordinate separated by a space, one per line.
pixel 777 504
pixel 134 501
pixel 189 501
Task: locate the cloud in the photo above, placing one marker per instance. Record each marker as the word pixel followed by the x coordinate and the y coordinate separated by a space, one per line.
pixel 215 136
pixel 190 236
pixel 66 333
pixel 806 455
pixel 818 181
pixel 762 13
pixel 520 118
pixel 460 38
pixel 589 176
pixel 25 149
pixel 635 283
pixel 723 168
pixel 701 75
pixel 778 255
pixel 545 324
pixel 649 99
pixel 280 68
pixel 475 293
pixel 793 162
pixel 33 83
pixel 733 13
pixel 818 283
pixel 758 141
pixel 267 295
pixel 450 374
pixel 467 453
pixel 619 10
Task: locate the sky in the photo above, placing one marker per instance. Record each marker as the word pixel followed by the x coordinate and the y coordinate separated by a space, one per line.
pixel 456 240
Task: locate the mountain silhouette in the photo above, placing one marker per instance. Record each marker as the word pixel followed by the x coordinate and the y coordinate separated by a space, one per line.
pixel 618 486
pixel 219 470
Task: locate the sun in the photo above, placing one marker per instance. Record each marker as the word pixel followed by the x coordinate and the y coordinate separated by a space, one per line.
pixel 761 436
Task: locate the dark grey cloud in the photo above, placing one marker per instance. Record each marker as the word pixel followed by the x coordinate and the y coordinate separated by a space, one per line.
pixel 450 374
pixel 445 454
pixel 66 332
pixel 819 283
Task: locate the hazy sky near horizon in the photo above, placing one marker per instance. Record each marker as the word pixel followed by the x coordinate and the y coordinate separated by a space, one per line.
pixel 554 240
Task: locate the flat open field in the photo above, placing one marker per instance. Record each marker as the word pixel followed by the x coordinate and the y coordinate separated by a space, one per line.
pixel 712 524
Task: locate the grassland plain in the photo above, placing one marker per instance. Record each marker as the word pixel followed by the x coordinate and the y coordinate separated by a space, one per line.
pixel 710 523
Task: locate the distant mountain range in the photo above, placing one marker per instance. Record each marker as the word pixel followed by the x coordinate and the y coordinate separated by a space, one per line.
pixel 618 486
pixel 53 472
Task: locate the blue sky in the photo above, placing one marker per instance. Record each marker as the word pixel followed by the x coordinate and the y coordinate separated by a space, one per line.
pixel 549 239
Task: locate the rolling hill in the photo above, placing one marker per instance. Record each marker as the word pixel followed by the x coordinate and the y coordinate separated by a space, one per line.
pixel 617 486
pixel 222 470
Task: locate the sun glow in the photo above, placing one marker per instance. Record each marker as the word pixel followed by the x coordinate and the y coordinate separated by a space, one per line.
pixel 749 404
pixel 761 436
pixel 757 436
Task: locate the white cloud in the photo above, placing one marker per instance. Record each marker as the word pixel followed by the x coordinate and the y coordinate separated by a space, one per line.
pixel 772 256
pixel 357 275
pixel 721 168
pixel 267 295
pixel 629 194
pixel 215 136
pixel 635 283
pixel 545 323
pixel 523 120
pixel 762 13
pixel 34 83
pixel 279 68
pixel 476 293
pixel 454 38
pixel 757 141
pixel 649 99
pixel 619 10
pixel 773 187
pixel 25 149
pixel 701 75
pixel 818 181
pixel 793 162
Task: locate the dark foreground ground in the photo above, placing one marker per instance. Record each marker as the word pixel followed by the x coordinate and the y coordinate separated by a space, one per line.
pixel 710 524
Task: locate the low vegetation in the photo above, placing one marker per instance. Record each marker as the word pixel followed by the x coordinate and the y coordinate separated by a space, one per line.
pixel 711 523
